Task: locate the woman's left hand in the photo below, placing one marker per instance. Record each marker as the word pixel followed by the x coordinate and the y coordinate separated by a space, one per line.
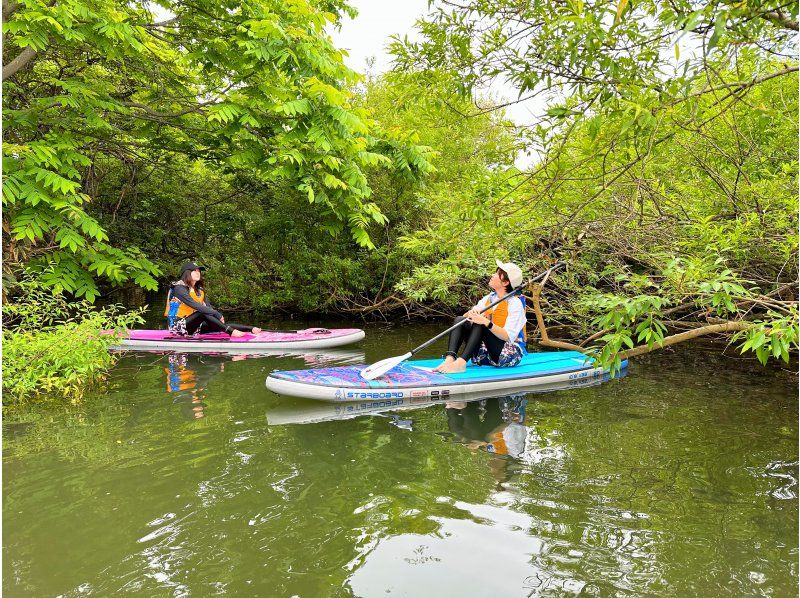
pixel 476 318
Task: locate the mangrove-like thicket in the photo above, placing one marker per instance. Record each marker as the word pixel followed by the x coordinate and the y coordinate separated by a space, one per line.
pixel 660 162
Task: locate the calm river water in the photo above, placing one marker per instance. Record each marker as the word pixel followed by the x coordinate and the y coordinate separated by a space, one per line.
pixel 188 477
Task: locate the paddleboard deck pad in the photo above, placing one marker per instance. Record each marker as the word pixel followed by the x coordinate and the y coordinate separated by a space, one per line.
pixel 310 338
pixel 415 378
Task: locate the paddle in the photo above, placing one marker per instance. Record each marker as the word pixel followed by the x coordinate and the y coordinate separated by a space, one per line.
pixel 381 367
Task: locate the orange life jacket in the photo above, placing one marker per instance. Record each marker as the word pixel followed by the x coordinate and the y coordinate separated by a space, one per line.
pixel 498 442
pixel 183 309
pixel 499 314
pixel 180 378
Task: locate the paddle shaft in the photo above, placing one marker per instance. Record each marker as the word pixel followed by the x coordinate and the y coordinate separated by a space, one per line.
pixel 513 293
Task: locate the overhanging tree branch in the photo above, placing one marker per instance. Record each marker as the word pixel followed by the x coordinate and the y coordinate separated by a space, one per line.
pixel 20 62
pixel 716 328
pixel 778 18
pixel 9 8
pixel 739 85
pixel 685 336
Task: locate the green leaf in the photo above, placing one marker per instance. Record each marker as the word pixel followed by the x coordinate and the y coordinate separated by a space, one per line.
pixel 694 20
pixel 719 29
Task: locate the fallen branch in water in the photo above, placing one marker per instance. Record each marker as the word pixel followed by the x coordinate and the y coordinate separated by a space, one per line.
pixel 703 330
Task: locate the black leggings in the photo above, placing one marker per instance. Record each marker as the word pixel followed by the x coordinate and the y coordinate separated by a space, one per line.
pixel 473 335
pixel 200 322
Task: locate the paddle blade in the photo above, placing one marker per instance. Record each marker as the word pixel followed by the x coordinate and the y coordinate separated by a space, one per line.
pixel 381 367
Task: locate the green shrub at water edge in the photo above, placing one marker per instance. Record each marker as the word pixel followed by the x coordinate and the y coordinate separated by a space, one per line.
pixel 54 348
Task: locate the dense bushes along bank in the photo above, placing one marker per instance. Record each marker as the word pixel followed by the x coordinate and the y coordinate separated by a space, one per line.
pixel 54 348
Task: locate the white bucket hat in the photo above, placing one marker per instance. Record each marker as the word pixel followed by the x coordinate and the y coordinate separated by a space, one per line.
pixel 513 271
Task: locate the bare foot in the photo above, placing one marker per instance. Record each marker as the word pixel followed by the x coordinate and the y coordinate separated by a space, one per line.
pixel 454 367
pixel 256 330
pixel 236 333
pixel 447 360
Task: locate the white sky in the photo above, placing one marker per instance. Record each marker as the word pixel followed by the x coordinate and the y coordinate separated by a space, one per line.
pixel 367 36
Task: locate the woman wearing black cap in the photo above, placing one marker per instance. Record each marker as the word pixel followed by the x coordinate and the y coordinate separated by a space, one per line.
pixel 188 311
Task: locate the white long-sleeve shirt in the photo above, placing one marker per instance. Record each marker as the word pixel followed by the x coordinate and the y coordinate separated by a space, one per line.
pixel 516 319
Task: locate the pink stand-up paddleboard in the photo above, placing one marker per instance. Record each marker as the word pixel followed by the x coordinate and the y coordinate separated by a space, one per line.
pixel 310 338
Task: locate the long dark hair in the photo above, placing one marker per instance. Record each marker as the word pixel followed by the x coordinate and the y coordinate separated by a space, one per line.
pixel 187 279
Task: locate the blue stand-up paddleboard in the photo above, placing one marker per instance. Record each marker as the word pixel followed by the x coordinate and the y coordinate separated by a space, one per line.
pixel 415 378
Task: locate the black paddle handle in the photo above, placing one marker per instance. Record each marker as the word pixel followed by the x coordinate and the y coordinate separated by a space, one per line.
pixel 513 293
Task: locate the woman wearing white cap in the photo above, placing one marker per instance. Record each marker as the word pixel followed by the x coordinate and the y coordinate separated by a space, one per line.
pixel 496 337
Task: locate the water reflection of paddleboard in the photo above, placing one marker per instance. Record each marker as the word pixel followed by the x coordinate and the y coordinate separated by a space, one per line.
pixel 311 357
pixel 309 411
pixel 310 338
pixel 414 379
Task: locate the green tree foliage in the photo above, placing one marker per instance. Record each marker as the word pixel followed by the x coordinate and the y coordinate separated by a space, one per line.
pixel 254 87
pixel 603 56
pixel 262 239
pixel 472 158
pixel 652 162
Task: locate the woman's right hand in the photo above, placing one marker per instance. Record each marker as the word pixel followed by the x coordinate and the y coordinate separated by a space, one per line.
pixel 476 317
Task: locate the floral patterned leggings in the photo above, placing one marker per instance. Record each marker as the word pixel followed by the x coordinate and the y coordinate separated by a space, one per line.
pixel 482 347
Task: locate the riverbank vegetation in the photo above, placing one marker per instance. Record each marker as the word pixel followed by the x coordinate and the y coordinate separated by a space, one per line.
pixel 661 163
pixel 55 348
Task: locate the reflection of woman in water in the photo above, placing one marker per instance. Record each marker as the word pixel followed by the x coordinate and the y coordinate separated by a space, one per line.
pixel 497 425
pixel 184 379
pixel 509 437
pixel 472 422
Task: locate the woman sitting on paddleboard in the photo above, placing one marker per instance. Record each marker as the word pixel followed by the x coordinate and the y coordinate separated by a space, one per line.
pixel 189 312
pixel 496 337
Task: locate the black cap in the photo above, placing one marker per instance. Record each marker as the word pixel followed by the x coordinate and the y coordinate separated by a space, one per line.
pixel 191 266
